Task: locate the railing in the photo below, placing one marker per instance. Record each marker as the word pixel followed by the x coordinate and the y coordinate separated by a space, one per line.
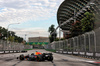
pixel 12 46
pixel 87 45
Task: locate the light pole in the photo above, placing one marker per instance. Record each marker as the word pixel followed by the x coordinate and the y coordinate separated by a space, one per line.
pixel 59 33
pixel 8 28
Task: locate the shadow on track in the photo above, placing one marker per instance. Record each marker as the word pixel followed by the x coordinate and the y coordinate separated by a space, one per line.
pixel 16 63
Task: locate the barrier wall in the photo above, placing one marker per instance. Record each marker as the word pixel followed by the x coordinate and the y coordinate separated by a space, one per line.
pixel 12 46
pixel 87 45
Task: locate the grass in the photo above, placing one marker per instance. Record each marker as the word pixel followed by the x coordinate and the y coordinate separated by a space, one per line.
pixel 50 50
pixel 28 49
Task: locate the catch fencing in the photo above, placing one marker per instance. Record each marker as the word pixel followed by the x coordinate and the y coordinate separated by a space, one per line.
pixel 87 45
pixel 13 46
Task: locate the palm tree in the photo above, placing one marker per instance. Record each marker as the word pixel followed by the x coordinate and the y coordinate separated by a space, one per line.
pixel 52 36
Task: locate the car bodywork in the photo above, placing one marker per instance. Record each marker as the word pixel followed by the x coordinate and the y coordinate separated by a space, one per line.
pixel 40 57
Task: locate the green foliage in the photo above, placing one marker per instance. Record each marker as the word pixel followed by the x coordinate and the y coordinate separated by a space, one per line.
pixel 11 38
pixel 51 39
pixel 76 29
pixel 11 35
pixel 3 33
pixel 62 39
pixel 53 36
pixel 85 25
pixel 19 39
pixel 57 39
pixel 87 22
pixel 51 29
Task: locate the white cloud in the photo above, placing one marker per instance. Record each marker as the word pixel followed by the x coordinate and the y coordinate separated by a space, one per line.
pixel 27 8
pixel 14 11
pixel 30 32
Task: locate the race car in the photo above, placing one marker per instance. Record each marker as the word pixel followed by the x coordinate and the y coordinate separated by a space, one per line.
pixel 39 57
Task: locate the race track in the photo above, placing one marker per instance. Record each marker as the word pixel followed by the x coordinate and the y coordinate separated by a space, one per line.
pixel 59 60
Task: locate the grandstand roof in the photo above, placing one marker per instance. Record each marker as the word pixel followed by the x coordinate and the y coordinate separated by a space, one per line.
pixel 71 10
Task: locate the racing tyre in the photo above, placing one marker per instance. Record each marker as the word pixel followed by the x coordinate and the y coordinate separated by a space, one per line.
pixel 50 58
pixel 21 57
pixel 39 58
pixel 43 57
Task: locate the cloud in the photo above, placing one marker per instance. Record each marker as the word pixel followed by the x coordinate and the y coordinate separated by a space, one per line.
pixel 27 9
pixel 30 32
pixel 21 11
pixel 38 31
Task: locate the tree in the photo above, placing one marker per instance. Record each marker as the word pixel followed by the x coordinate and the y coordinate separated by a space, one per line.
pixel 51 29
pixel 87 22
pixel 52 36
pixel 11 38
pixel 11 35
pixel 76 29
pixel 18 39
pixel 57 39
pixel 3 33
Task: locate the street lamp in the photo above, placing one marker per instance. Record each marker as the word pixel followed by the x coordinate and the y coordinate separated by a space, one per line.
pixel 59 33
pixel 8 28
pixel 59 30
pixel 25 36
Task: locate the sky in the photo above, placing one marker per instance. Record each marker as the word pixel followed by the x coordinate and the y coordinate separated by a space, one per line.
pixel 34 16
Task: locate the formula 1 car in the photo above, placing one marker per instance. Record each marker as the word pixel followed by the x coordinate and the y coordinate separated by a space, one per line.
pixel 40 57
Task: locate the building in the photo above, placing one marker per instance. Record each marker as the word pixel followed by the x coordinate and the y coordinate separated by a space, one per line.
pixel 38 39
pixel 38 42
pixel 71 11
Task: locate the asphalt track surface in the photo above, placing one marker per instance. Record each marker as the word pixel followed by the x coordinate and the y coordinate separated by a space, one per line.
pixel 59 60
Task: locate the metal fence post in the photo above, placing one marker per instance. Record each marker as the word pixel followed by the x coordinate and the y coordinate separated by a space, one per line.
pixel 67 46
pixel 89 41
pixel 59 45
pixel 78 45
pixel 73 45
pixel 94 54
pixel 94 40
pixel 84 43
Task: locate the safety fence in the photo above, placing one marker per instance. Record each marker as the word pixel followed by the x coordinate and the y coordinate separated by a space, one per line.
pixel 87 45
pixel 12 46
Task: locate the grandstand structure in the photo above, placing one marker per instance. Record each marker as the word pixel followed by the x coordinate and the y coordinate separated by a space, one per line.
pixel 71 11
